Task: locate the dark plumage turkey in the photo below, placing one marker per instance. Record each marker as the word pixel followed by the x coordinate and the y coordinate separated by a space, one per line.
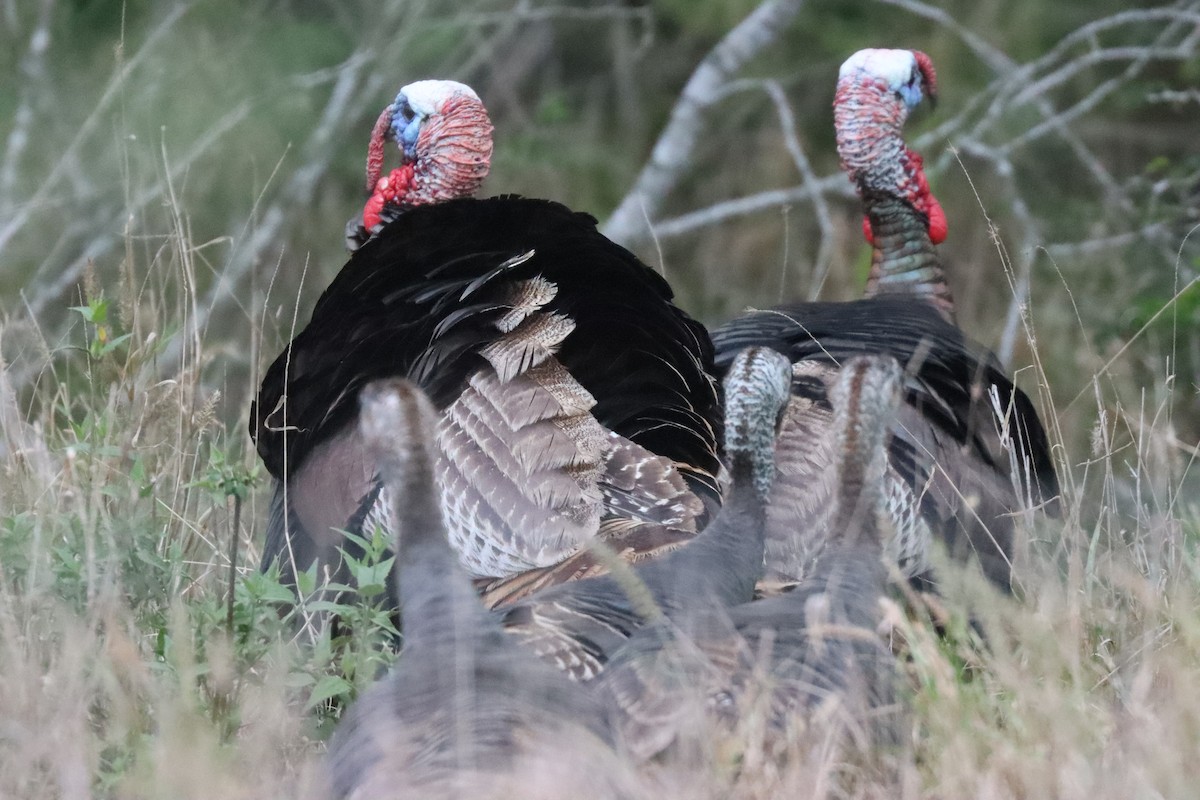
pixel 985 453
pixel 577 400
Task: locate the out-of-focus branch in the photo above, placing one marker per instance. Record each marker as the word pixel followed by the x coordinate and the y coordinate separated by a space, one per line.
pixel 527 13
pixel 33 74
pixel 835 185
pixel 1106 244
pixel 1140 56
pixel 1174 97
pixel 299 190
pixel 52 181
pixel 787 121
pixel 1000 96
pixel 672 153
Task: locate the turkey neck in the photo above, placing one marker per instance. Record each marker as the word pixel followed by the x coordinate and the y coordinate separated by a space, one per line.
pixel 725 560
pixel 903 260
pixel 865 397
pixel 727 557
pixel 722 564
pixel 435 596
pixel 890 178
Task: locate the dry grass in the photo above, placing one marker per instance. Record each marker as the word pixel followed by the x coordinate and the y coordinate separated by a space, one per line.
pixel 123 679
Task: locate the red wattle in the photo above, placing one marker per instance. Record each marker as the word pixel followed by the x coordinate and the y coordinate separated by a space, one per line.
pixel 924 201
pixel 868 234
pixel 373 210
pixel 938 227
pixel 391 188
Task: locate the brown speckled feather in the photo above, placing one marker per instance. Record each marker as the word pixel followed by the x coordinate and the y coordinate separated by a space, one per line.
pixel 520 454
pixel 649 511
pixel 576 626
pixel 803 496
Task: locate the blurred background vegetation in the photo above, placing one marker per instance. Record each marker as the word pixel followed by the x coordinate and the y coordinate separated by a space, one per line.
pixel 194 164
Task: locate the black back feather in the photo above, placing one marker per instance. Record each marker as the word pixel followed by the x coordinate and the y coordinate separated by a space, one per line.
pixel 419 299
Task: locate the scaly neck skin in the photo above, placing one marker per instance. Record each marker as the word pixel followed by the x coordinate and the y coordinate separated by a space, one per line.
pixel 903 260
pixel 454 153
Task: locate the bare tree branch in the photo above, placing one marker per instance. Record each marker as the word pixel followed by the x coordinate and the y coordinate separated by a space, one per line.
pixel 98 245
pixel 787 121
pixel 1106 244
pixel 1174 97
pixel 526 13
pixel 672 154
pixel 33 72
pixel 835 185
pixel 51 182
pixel 1142 57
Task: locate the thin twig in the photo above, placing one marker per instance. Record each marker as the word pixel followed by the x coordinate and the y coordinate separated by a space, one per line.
pixel 672 153
pixel 835 185
pixel 33 86
pixel 52 181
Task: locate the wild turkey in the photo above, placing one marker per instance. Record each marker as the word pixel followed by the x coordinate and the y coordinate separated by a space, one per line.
pixel 576 400
pixel 576 626
pixel 465 709
pixel 962 413
pixel 784 657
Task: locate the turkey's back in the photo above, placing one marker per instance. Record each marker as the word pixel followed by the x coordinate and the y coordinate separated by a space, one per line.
pixel 425 299
pixel 419 298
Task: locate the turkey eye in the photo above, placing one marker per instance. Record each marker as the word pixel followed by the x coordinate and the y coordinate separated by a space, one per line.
pixel 404 113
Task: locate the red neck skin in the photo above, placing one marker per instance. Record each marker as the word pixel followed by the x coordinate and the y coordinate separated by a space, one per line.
pixel 454 152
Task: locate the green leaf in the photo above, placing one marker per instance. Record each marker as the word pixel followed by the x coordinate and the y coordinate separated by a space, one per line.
pixel 327 688
pixel 113 344
pixel 95 312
